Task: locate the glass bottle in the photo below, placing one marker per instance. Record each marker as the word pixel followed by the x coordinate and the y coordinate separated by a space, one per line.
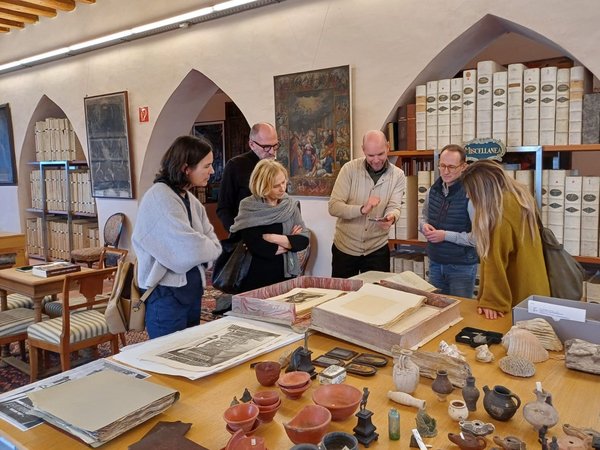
pixel 394 424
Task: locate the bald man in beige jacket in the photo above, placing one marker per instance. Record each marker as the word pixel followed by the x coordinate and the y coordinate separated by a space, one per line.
pixel 366 200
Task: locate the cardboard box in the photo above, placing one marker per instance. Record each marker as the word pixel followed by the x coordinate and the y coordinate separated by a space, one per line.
pixel 564 328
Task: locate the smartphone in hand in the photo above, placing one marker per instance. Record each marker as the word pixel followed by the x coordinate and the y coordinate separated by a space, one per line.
pixel 377 219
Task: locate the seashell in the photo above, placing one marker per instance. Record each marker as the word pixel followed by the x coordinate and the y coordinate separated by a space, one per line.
pixel 542 329
pixel 523 343
pixel 517 366
pixel 451 350
pixel 484 354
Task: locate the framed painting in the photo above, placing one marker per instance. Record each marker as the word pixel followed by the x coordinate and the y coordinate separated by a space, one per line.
pixel 107 124
pixel 213 132
pixel 313 116
pixel 8 167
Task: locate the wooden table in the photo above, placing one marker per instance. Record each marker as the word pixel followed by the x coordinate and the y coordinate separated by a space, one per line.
pixel 14 243
pixel 36 288
pixel 575 395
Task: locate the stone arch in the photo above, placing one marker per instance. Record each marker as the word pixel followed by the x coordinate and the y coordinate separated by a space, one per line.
pixel 453 58
pixel 175 119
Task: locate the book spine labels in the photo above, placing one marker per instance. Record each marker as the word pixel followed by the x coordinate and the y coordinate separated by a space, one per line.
pixel 456 111
pixel 402 143
pixel 531 106
pixel 421 117
pixel 499 106
pixel 514 125
pixel 590 195
pixel 576 91
pixel 432 115
pixel 485 74
pixel 556 202
pixel 443 113
pixel 547 105
pixel 469 104
pixel 572 233
pixel 561 133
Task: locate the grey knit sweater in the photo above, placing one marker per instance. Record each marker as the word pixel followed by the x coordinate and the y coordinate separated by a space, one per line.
pixel 165 244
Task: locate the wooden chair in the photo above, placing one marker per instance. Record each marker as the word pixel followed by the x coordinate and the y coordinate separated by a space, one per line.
pixel 79 326
pixel 112 233
pixel 13 327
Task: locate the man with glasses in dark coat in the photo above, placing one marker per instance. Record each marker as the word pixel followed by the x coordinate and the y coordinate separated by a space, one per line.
pixel 263 144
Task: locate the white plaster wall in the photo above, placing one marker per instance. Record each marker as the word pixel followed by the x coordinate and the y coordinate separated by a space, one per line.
pixel 388 44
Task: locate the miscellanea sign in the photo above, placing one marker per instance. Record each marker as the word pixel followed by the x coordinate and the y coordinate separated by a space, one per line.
pixel 478 149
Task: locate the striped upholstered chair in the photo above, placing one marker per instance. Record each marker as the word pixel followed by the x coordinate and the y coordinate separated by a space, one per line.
pixel 13 326
pixel 80 325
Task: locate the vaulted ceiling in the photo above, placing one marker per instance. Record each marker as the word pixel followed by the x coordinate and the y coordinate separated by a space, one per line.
pixel 17 14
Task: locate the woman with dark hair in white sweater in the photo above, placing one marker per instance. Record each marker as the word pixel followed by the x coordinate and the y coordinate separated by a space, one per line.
pixel 173 238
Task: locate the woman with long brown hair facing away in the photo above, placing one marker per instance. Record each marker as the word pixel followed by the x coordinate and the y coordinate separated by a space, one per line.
pixel 508 239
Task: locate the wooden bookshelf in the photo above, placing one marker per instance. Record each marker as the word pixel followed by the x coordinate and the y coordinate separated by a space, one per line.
pixel 572 148
pixel 412 153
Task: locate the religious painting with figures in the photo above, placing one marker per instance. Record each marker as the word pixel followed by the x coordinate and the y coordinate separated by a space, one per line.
pixel 313 120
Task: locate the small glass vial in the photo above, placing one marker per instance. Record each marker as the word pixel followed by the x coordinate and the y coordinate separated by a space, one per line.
pixel 394 424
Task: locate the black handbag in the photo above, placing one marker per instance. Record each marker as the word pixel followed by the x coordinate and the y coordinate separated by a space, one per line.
pixel 565 274
pixel 231 267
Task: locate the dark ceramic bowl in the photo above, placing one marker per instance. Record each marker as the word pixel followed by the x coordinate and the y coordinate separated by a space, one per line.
pixel 309 425
pixel 340 399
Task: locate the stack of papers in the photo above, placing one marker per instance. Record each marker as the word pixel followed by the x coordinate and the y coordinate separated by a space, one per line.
pixel 406 278
pixel 213 347
pixel 101 406
pixel 305 299
pixel 374 305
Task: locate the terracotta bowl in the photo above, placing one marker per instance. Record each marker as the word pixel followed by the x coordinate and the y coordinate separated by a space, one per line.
pixel 309 425
pixel 267 372
pixel 265 398
pixel 266 413
pixel 269 408
pixel 292 380
pixel 241 416
pixel 340 399
pixel 294 393
pixel 255 426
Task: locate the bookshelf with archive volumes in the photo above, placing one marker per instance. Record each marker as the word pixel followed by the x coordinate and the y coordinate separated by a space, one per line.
pixel 548 112
pixel 63 211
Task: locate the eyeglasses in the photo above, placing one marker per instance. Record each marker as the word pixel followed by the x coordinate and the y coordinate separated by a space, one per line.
pixel 449 168
pixel 268 147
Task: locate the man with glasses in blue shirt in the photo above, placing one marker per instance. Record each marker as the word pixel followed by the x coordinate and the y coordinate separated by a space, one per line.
pixel 446 224
pixel 263 144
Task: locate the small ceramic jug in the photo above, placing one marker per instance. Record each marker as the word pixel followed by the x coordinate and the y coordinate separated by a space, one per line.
pixel 457 410
pixel 470 393
pixel 442 385
pixel 500 403
pixel 539 413
pixel 406 373
pixel 510 443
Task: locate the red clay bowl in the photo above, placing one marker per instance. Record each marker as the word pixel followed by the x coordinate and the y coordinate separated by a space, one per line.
pixel 340 399
pixel 269 408
pixel 241 416
pixel 267 372
pixel 292 380
pixel 309 425
pixel 255 425
pixel 265 398
pixel 295 393
pixel 267 414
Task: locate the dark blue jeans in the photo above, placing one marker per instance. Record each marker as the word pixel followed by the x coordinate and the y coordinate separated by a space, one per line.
pixel 453 279
pixel 346 266
pixel 170 309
